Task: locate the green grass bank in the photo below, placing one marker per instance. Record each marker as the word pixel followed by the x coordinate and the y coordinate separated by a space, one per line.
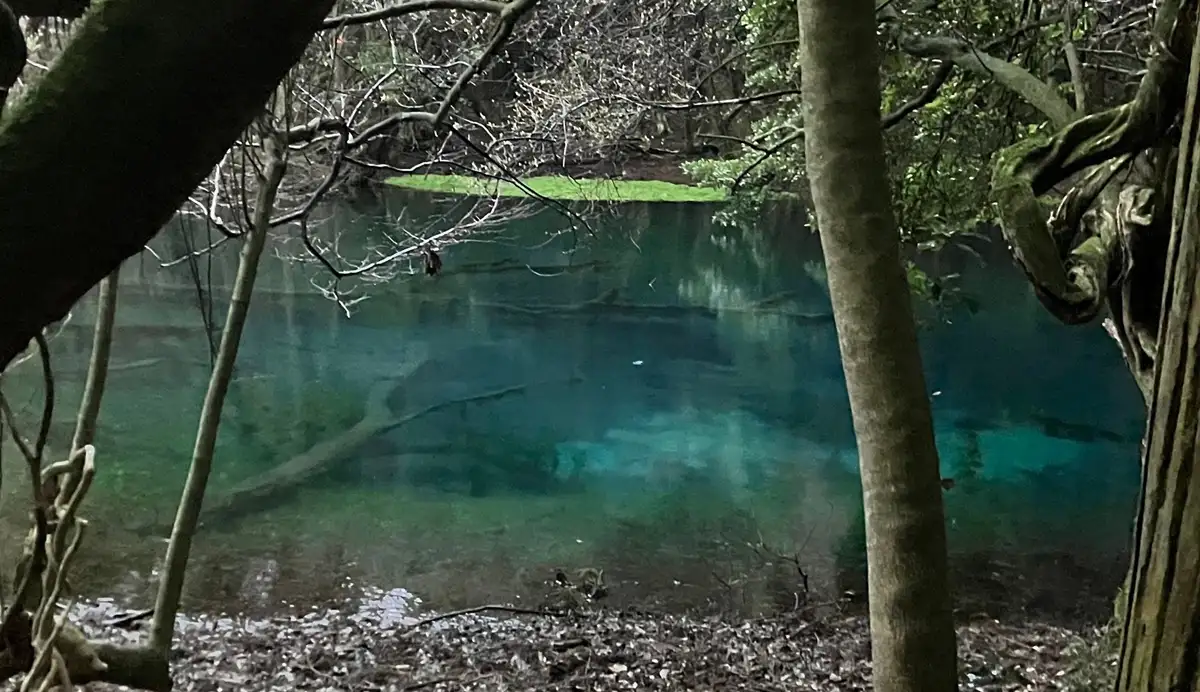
pixel 563 188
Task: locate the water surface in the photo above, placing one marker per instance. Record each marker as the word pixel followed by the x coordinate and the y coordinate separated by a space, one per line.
pixel 660 398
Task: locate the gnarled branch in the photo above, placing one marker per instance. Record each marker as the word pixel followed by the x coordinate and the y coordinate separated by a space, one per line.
pixel 1037 93
pixel 1079 258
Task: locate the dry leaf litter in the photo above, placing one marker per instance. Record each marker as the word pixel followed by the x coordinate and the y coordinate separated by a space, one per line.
pixel 377 644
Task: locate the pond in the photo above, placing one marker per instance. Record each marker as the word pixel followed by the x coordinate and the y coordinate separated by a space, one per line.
pixel 657 396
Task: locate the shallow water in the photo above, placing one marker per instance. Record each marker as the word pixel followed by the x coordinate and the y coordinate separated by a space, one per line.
pixel 662 401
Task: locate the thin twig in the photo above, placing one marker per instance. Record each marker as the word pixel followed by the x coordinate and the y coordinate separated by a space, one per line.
pixel 481 609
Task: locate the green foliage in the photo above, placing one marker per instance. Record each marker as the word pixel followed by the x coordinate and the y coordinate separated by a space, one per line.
pixel 939 153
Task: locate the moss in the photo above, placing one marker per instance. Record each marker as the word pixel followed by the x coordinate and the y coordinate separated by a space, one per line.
pixel 563 188
pixel 98 154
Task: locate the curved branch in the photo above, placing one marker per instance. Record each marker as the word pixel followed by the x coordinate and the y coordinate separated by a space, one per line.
pixel 410 7
pixel 927 95
pixel 1072 257
pixel 1037 93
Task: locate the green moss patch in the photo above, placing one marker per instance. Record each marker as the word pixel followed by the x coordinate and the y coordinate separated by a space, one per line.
pixel 563 188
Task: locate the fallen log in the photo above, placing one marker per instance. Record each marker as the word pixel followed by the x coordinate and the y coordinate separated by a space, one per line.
pixel 258 492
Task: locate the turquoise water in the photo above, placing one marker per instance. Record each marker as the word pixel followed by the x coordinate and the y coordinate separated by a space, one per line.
pixel 661 399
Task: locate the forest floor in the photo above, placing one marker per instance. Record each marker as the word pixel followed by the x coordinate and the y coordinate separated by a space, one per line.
pixel 602 650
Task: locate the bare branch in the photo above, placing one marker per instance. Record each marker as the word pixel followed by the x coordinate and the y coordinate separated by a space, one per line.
pixel 1073 63
pixel 406 7
pixel 920 100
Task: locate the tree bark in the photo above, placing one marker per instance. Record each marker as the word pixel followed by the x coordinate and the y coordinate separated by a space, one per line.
pixel 166 607
pixel 138 667
pixel 1160 644
pixel 137 110
pixel 912 630
pixel 97 378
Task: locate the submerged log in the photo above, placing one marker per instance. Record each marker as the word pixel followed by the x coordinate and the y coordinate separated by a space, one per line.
pixel 262 490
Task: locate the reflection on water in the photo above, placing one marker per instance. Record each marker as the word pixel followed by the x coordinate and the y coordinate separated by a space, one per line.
pixel 663 402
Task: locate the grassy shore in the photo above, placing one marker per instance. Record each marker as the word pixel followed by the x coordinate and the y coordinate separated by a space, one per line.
pixel 563 188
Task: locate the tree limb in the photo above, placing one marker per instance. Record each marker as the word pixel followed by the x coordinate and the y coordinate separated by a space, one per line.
pixel 1078 258
pixel 927 95
pixel 411 6
pixel 139 107
pixel 1035 92
pixel 1073 63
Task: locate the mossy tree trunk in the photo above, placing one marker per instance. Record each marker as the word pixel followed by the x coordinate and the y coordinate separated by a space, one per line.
pixel 140 106
pixel 1131 244
pixel 97 157
pixel 912 630
pixel 1160 643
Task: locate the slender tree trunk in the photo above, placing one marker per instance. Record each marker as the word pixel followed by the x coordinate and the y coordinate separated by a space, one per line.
pixel 912 630
pixel 97 377
pixel 1160 643
pixel 170 587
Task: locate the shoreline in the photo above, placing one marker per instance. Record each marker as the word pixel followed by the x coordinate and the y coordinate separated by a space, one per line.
pixel 667 168
pixel 389 648
pixel 644 178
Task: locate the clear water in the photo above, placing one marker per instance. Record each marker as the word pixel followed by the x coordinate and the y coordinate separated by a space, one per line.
pixel 686 433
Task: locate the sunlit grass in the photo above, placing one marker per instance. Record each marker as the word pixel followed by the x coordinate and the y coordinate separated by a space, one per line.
pixel 564 188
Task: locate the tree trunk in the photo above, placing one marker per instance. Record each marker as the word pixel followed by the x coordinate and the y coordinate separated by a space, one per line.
pixel 1160 644
pixel 97 378
pixel 912 629
pixel 170 589
pixel 135 112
